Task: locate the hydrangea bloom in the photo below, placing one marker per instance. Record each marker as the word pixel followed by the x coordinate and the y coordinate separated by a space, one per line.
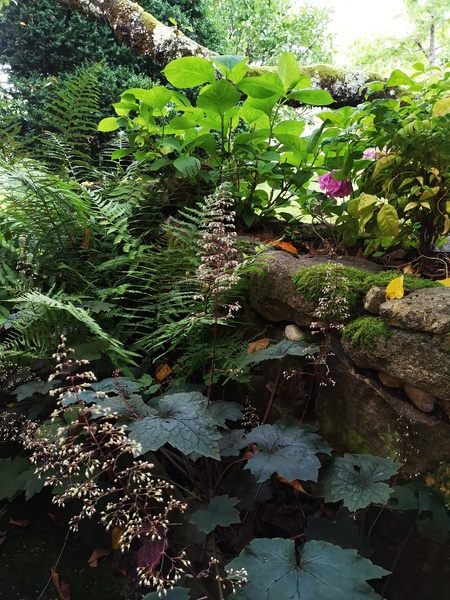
pixel 334 188
pixel 370 153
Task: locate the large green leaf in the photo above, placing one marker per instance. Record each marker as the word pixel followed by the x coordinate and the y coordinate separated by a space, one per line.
pixel 264 86
pixel 231 66
pixel 282 349
pixel 175 593
pixel 189 71
pixel 357 480
pixel 388 221
pixel 313 97
pixel 10 472
pixel 220 511
pixel 288 70
pixel 397 77
pixel 188 166
pixel 324 572
pixel 219 97
pixel 183 421
pixel 434 521
pixel 287 450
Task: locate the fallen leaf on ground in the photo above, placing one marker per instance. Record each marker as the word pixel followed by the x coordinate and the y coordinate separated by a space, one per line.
pixel 162 372
pixel 101 553
pixel 445 282
pixel 395 289
pixel 295 484
pixel 61 586
pixel 258 345
pixel 116 537
pixel 19 522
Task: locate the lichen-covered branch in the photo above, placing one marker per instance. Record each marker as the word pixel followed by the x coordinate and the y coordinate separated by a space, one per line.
pixel 146 36
pixel 138 29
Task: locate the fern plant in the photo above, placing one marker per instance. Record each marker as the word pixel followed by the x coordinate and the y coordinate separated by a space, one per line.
pixel 71 124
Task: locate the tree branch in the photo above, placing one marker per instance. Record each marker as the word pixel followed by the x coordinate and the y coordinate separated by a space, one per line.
pixel 146 36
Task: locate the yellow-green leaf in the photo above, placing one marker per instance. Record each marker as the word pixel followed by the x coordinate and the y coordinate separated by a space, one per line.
pixel 387 220
pixel 410 205
pixel 395 289
pixel 441 107
pixel 445 282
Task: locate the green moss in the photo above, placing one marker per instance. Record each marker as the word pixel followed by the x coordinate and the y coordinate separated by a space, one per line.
pixel 339 281
pixel 350 283
pixel 365 330
pixel 355 442
pixel 409 281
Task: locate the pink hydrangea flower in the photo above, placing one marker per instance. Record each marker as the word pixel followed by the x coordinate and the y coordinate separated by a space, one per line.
pixel 370 153
pixel 334 188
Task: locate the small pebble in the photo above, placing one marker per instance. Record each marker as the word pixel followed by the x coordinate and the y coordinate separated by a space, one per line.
pixel 293 333
pixel 424 401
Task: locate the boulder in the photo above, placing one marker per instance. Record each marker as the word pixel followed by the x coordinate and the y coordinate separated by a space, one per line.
pixel 367 417
pixel 425 310
pixel 420 359
pixel 274 296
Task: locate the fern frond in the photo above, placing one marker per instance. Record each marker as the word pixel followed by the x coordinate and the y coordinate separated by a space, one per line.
pixel 71 124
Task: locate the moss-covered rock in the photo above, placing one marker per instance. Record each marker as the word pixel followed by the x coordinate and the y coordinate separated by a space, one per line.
pixel 365 330
pixel 348 283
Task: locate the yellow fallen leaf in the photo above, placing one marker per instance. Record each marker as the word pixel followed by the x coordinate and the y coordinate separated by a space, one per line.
pixel 445 282
pixel 395 289
pixel 116 537
pixel 163 371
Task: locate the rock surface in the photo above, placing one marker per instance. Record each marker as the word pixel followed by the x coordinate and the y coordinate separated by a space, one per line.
pixel 422 400
pixel 420 359
pixel 367 417
pixel 425 310
pixel 274 296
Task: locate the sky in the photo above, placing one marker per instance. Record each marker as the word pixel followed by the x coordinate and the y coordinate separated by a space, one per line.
pixel 360 18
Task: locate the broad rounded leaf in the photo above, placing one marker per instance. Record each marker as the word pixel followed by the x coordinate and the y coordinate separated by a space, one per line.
pixel 282 349
pixel 356 479
pixel 175 593
pixel 220 511
pixel 183 421
pixel 189 71
pixel 188 166
pixel 324 572
pixel 287 450
pixel 441 107
pixel 397 77
pixel 313 97
pixel 388 221
pixel 219 97
pixel 108 124
pixel 264 86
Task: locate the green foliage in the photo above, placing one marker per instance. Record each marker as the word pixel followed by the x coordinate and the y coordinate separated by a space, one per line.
pixel 262 30
pixel 282 349
pixel 196 144
pixel 323 571
pixel 349 282
pixel 220 511
pixel 433 517
pixel 182 420
pixel 401 195
pixel 46 43
pixel 364 331
pixel 357 480
pixel 287 450
pixel 11 470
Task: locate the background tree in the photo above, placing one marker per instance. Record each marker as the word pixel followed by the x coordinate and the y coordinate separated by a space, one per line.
pixel 427 39
pixel 45 42
pixel 263 29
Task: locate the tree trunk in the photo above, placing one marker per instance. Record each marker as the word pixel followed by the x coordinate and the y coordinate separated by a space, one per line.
pixel 146 36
